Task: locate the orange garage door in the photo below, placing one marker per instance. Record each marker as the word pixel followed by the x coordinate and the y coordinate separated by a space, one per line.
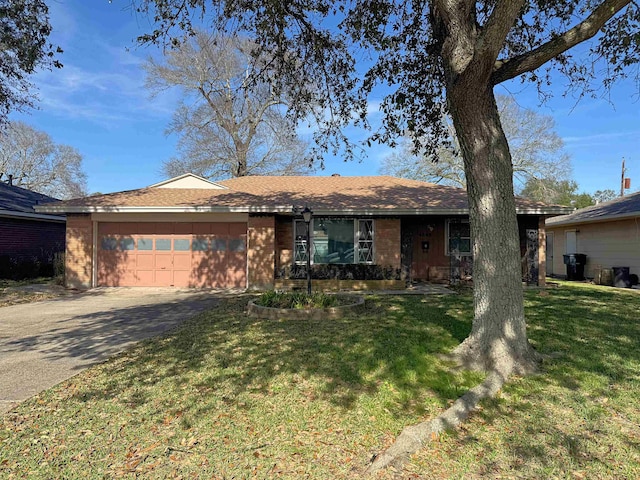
pixel 172 254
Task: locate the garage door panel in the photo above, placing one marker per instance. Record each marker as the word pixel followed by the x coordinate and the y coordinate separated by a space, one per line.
pixel 235 278
pixel 236 269
pixel 164 278
pixel 181 278
pixel 128 277
pixel 172 254
pixel 182 262
pixel 163 262
pixel 201 266
pixel 145 278
pixel 197 281
pixel 212 270
pixel 144 261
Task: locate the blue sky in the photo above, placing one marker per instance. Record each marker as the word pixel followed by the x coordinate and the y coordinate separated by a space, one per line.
pixel 98 104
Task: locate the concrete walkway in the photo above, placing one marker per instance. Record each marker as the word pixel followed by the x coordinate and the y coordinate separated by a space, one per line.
pixel 44 343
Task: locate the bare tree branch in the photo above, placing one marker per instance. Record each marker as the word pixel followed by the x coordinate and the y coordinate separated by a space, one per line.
pixel 506 69
pixel 38 164
pixel 230 122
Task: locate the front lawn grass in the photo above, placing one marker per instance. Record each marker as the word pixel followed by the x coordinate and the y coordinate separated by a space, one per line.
pixel 227 396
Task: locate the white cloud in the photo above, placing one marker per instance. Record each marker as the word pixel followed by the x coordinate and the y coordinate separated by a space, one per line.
pixel 599 138
pixel 102 96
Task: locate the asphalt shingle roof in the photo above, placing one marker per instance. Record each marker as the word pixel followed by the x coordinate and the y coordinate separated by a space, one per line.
pixel 626 206
pixel 269 193
pixel 17 199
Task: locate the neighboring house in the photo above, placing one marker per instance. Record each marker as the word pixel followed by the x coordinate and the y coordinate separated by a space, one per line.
pixel 242 232
pixel 28 239
pixel 608 233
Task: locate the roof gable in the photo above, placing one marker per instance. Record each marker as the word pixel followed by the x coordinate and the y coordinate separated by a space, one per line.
pixel 188 180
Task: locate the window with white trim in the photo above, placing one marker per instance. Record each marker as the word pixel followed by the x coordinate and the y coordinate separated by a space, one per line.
pixel 365 241
pixel 334 240
pixel 458 237
pixel 300 236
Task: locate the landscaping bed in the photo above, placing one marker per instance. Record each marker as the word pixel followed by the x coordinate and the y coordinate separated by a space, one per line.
pixel 231 396
pixel 274 305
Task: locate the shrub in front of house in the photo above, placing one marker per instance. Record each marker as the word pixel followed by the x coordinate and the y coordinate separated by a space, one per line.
pixel 301 300
pixel 25 267
pixel 341 272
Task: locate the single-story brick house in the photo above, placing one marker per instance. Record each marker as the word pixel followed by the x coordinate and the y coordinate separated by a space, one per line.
pixel 28 239
pixel 608 233
pixel 242 232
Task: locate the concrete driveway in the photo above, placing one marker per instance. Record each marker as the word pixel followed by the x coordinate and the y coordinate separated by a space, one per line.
pixel 44 343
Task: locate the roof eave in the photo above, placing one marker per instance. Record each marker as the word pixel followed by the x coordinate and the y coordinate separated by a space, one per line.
pixel 32 216
pixel 558 221
pixel 61 209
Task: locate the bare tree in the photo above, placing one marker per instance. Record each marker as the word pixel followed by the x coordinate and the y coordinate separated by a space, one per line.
pixel 536 151
pixel 231 123
pixel 24 29
pixel 36 163
pixel 437 54
pixel 446 169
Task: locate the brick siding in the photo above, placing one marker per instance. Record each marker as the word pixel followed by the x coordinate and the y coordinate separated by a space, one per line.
pixel 284 242
pixel 79 253
pixel 261 240
pixel 28 247
pixel 28 238
pixel 387 242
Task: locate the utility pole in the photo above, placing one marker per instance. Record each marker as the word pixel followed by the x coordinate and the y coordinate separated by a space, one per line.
pixel 622 180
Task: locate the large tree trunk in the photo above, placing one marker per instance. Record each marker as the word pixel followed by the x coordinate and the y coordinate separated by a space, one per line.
pixel 241 159
pixel 498 339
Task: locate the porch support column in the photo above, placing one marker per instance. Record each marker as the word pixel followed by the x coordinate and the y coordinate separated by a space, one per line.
pixel 542 252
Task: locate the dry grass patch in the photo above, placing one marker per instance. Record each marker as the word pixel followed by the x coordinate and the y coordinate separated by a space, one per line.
pixel 27 291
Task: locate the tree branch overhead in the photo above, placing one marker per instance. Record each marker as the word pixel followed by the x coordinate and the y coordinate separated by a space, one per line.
pixel 510 68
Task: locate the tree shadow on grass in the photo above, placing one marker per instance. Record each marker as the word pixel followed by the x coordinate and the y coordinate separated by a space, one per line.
pixel 584 394
pixel 222 358
pixel 392 341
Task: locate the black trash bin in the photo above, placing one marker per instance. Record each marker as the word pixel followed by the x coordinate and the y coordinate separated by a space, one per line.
pixel 621 277
pixel 575 265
